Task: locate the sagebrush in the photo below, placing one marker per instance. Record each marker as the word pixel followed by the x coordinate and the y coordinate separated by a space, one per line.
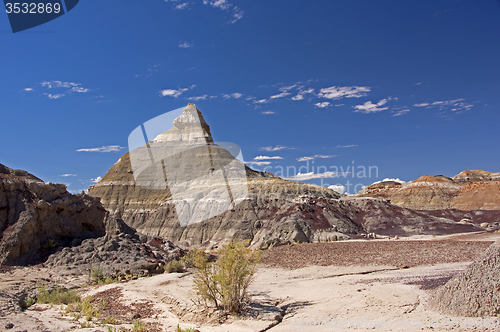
pixel 225 282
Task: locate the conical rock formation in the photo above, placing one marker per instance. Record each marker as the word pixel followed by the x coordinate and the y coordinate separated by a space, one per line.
pixel 229 200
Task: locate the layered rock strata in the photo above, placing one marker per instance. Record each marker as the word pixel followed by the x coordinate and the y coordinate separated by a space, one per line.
pixel 468 191
pixel 36 217
pixel 260 207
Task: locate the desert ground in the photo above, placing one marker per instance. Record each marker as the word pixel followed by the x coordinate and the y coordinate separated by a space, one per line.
pixel 359 285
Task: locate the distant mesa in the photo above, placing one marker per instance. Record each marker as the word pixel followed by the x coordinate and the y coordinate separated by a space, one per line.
pixel 466 191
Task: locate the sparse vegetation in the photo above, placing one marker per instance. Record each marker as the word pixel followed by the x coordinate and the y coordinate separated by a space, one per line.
pixel 225 282
pixel 96 275
pixel 51 244
pixel 174 266
pixel 189 329
pixel 27 302
pixel 139 326
pixel 57 296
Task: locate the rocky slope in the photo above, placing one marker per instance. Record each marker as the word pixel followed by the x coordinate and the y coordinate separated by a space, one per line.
pixel 467 191
pixel 35 217
pixel 266 210
pixel 476 290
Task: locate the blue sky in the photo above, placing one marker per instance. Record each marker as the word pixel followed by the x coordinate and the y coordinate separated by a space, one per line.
pixel 408 87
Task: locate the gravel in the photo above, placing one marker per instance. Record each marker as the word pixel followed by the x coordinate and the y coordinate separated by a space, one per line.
pixel 375 252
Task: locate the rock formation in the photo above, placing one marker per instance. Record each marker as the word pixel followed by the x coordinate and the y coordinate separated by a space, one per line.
pixel 267 210
pixel 467 191
pixel 474 291
pixel 121 252
pixel 36 217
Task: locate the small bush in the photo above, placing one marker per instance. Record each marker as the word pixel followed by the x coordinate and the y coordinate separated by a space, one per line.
pixel 96 275
pixel 27 302
pixel 51 244
pixel 139 326
pixel 189 329
pixel 174 266
pixel 225 282
pixel 57 296
pixel 188 260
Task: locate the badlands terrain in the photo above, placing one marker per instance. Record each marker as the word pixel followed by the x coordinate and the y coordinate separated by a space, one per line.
pixel 395 256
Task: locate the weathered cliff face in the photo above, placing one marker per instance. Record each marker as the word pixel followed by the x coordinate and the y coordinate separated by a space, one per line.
pixel 33 212
pixel 268 211
pixel 468 191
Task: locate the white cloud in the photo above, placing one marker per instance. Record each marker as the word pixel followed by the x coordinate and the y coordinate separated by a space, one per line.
pixel 323 104
pixel 338 188
pixel 312 175
pixel 274 148
pixel 338 92
pixel 286 88
pixel 198 97
pixel 237 13
pixel 28 89
pixel 402 112
pixel 108 148
pixel 261 101
pixel 54 96
pixel 391 179
pixel 369 107
pixel 281 95
pixel 65 175
pixel 175 93
pixel 268 112
pixel 301 93
pixel 267 157
pixel 345 146
pixel 58 84
pixel 79 89
pixel 322 156
pixel 258 163
pixel 456 105
pixel 70 86
pixel 222 4
pixel 185 44
pixel 181 6
pixel 235 95
pixel 96 180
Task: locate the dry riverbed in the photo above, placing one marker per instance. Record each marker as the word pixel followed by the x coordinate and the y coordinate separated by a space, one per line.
pixel 357 285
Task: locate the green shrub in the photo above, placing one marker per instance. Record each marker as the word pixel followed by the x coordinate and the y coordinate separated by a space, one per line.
pixel 139 326
pixel 188 260
pixel 225 282
pixel 51 244
pixel 57 296
pixel 27 302
pixel 189 329
pixel 174 266
pixel 96 275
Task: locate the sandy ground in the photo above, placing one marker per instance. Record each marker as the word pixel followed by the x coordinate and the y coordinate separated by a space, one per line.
pixel 354 297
